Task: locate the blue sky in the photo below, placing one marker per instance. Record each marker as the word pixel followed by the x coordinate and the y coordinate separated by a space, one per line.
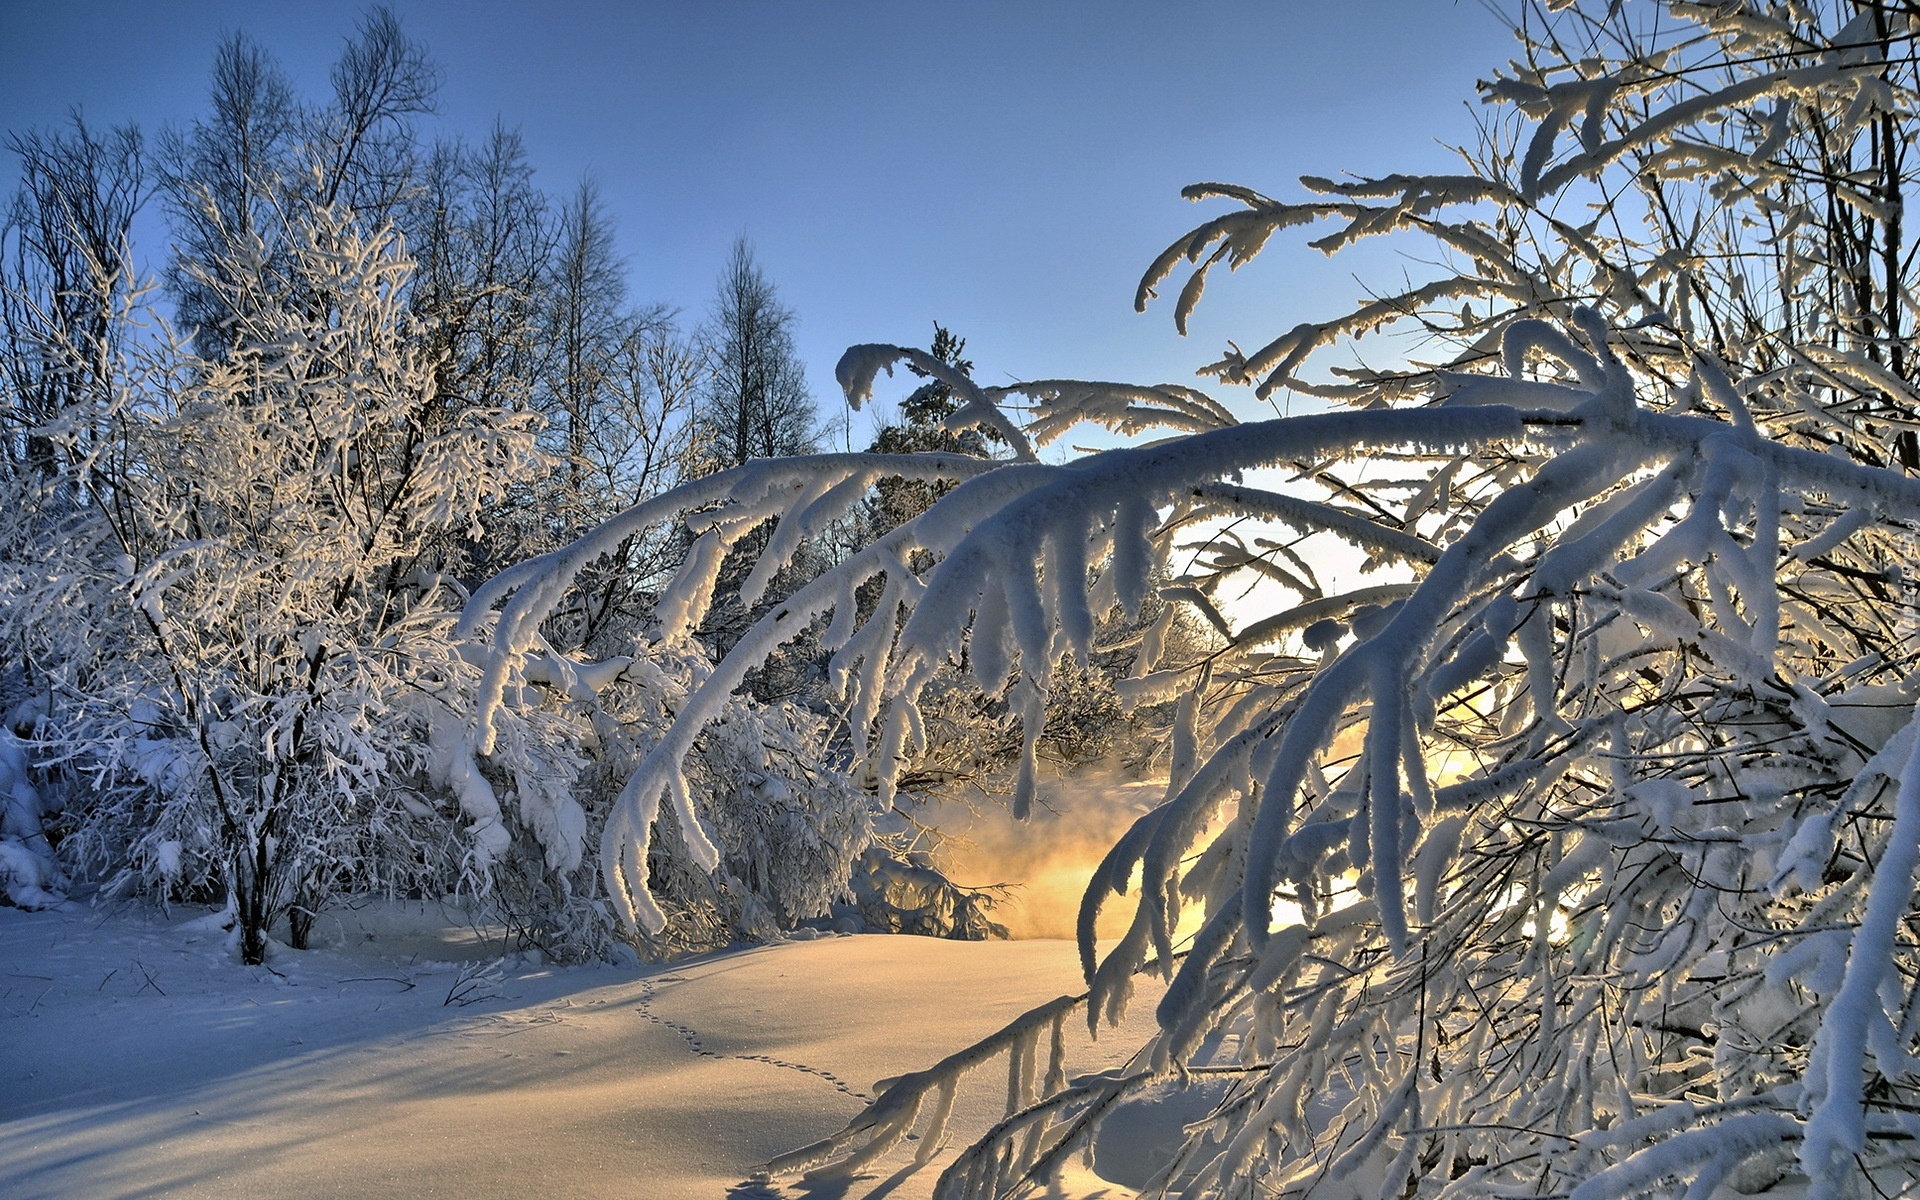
pixel 1008 169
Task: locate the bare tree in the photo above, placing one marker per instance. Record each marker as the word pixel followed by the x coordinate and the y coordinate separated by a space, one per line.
pixel 363 148
pixel 221 178
pixel 483 237
pixel 586 326
pixel 64 272
pixel 757 404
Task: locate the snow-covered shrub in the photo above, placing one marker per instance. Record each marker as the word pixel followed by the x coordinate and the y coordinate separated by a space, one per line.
pixel 1574 852
pixel 788 826
pixel 30 875
pixel 911 895
pixel 236 597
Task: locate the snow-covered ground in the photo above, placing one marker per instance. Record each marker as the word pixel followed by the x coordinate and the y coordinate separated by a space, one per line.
pixel 405 1057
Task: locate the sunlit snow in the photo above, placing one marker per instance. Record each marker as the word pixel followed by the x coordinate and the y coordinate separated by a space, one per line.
pixel 407 1057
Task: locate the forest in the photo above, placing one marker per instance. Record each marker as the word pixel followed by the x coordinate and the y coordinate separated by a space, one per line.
pixel 382 546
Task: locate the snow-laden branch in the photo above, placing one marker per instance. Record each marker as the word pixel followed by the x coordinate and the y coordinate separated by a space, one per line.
pixel 518 599
pixel 1570 856
pixel 1007 538
pixel 1599 639
pixel 859 366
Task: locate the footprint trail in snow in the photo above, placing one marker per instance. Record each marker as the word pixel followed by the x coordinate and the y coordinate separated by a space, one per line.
pixel 649 991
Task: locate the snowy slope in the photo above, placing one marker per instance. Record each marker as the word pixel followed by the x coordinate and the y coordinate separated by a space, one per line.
pixel 138 1058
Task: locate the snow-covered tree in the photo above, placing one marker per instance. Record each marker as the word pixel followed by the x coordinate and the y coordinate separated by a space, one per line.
pixel 235 640
pixel 64 278
pixel 326 495
pixel 1574 852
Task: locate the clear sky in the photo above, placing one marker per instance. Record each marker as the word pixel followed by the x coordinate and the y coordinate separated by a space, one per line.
pixel 1007 169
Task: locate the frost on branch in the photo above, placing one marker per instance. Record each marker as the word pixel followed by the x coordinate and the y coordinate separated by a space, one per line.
pixel 1569 817
pixel 727 506
pixel 988 591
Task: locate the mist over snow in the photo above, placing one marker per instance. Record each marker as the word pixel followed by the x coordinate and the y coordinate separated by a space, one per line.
pixel 1048 857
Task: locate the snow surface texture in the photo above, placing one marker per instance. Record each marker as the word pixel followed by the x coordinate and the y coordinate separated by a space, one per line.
pixel 408 1058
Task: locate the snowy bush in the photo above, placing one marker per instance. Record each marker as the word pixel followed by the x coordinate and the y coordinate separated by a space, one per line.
pixel 1574 853
pixel 787 826
pixel 911 895
pixel 30 875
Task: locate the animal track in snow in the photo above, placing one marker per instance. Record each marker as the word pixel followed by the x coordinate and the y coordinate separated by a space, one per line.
pixel 691 1036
